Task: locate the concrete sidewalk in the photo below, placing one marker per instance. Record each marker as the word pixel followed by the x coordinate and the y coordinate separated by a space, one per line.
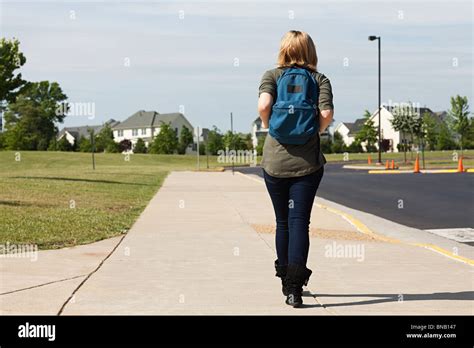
pixel 204 245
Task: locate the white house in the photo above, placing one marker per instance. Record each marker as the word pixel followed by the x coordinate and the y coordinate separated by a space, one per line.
pixel 73 134
pixel 391 137
pixel 146 125
pixel 343 128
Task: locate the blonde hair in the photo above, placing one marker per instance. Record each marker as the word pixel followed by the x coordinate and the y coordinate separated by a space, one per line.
pixel 297 48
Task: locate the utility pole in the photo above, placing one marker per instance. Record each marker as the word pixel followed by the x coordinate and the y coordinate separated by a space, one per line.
pixel 93 149
pixel 232 139
pixel 197 137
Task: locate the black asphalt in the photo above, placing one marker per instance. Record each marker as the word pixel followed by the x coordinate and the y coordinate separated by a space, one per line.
pixel 424 201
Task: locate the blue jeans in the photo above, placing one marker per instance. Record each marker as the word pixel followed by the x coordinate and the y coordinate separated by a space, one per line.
pixel 292 200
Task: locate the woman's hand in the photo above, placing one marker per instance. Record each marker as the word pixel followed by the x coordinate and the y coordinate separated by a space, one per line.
pixel 265 102
pixel 325 119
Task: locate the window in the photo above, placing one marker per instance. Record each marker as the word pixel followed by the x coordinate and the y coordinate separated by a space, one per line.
pixel 143 131
pixel 120 133
pixel 134 132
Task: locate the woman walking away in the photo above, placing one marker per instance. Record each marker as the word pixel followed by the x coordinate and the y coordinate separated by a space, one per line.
pixel 295 103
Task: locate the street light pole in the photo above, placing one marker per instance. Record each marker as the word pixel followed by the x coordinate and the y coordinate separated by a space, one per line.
pixel 372 38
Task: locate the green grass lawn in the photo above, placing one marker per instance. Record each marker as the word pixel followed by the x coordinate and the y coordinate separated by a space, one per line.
pixel 55 199
pixel 433 159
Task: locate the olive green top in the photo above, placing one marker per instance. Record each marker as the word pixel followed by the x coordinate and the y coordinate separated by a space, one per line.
pixel 288 160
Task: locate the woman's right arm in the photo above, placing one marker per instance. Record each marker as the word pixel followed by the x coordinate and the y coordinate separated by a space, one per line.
pixel 266 92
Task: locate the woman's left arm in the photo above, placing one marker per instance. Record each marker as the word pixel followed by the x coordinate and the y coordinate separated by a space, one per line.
pixel 325 104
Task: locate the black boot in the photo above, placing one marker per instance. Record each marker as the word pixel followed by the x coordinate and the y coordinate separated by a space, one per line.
pixel 296 277
pixel 281 273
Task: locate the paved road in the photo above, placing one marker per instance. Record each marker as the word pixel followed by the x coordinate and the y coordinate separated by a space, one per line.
pixel 425 201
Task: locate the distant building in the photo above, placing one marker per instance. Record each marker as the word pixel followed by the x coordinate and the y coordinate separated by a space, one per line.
pixel 393 138
pixel 146 125
pixel 257 131
pixel 73 134
pixel 348 130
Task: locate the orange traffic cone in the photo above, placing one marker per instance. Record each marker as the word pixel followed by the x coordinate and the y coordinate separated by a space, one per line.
pixel 417 165
pixel 460 166
pixel 393 165
pixel 387 165
pixel 369 160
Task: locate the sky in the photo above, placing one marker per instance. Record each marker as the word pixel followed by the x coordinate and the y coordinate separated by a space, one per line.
pixel 206 58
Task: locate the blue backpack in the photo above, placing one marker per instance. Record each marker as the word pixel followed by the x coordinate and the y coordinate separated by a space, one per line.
pixel 294 118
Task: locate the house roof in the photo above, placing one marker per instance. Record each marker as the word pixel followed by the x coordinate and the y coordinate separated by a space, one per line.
pixel 354 127
pixel 142 118
pixel 77 132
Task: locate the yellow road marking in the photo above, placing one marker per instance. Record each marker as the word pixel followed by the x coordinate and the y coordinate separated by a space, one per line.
pixel 427 171
pixel 388 171
pixel 445 253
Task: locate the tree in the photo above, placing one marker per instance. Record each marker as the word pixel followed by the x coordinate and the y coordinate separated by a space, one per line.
pixel 112 147
pixel 84 144
pixel 459 114
pixel 234 141
pixel 445 138
pixel 431 128
pixel 166 142
pixel 2 141
pixel 469 140
pixel 402 122
pixel 64 145
pixel 140 146
pixel 104 141
pixel 338 145
pixel 326 145
pixel 11 59
pixel 185 139
pixel 260 143
pixel 367 133
pixel 214 141
pixel 356 147
pixel 125 145
pixel 30 120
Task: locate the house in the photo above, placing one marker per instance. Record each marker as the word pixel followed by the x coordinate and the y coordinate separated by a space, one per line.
pixel 146 125
pixel 390 136
pixel 258 131
pixel 203 137
pixel 73 134
pixel 348 130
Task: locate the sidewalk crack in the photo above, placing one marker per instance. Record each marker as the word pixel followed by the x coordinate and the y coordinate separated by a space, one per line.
pixel 41 285
pixel 89 275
